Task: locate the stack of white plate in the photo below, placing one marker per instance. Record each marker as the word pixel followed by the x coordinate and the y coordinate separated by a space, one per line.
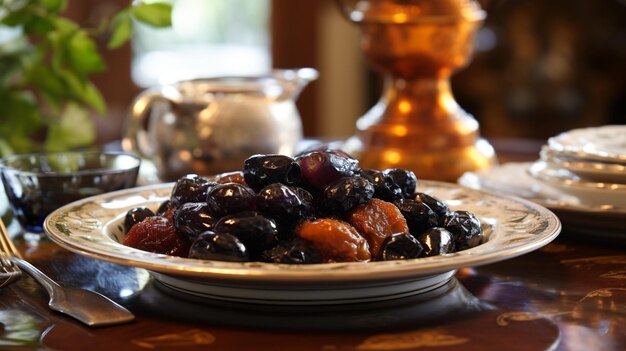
pixel 588 163
pixel 581 176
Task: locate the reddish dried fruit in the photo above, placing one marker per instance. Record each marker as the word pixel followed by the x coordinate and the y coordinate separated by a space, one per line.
pixel 375 221
pixel 157 234
pixel 230 177
pixel 335 240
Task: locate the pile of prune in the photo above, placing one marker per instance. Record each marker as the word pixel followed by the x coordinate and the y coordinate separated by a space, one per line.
pixel 318 207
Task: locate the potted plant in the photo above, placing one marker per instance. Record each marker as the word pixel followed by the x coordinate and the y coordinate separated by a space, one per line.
pixel 46 97
pixel 46 60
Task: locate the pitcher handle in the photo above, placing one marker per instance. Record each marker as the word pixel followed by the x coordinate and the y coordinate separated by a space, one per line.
pixel 136 138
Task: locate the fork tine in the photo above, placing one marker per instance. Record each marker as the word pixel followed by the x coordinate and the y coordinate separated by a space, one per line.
pixel 5 241
pixel 5 247
pixel 5 263
pixel 10 272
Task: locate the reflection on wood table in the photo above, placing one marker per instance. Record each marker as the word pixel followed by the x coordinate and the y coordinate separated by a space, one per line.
pixel 568 295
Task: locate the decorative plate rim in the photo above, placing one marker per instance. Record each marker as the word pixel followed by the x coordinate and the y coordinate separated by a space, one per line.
pixel 560 144
pixel 575 165
pixel 475 180
pixel 542 170
pixel 85 234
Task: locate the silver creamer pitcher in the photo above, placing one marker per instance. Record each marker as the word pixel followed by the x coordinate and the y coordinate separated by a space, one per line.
pixel 209 126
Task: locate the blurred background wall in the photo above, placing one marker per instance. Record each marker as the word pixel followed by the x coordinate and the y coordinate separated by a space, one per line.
pixel 541 67
pixel 546 66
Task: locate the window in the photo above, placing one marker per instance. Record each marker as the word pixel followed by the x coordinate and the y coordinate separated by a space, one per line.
pixel 207 38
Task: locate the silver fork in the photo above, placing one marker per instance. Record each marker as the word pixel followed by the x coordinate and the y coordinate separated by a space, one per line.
pixel 9 272
pixel 87 306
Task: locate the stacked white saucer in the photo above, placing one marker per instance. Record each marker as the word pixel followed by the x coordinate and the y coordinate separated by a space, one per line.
pixel 588 163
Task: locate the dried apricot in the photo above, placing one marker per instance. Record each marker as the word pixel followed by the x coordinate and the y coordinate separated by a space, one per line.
pixel 157 234
pixel 335 240
pixel 376 220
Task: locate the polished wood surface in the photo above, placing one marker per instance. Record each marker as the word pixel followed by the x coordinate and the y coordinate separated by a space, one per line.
pixel 568 295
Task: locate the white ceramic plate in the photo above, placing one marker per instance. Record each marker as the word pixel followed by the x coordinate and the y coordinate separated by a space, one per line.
pixel 588 192
pixel 604 144
pixel 587 170
pixel 512 226
pixel 605 222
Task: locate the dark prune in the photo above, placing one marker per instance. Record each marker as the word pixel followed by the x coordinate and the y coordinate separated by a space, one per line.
pixel 437 241
pixel 260 171
pixel 440 207
pixel 164 207
pixel 282 203
pixel 320 168
pixel 384 186
pixel 419 217
pixel 405 179
pixel 333 148
pixel 400 246
pixel 193 218
pixel 465 228
pixel 136 215
pixel 218 246
pixel 190 188
pixel 228 198
pixel 255 231
pixel 308 201
pixel 345 194
pixel 293 252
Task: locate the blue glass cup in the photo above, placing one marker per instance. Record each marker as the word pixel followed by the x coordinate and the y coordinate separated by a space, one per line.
pixel 37 184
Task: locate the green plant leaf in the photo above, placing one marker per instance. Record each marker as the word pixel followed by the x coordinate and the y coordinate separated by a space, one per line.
pixel 58 41
pixel 93 98
pixel 20 113
pixel 75 129
pixel 83 91
pixel 39 25
pixel 17 17
pixel 9 68
pixel 155 14
pixel 54 5
pixel 5 148
pixel 65 26
pixel 44 79
pixel 74 84
pixel 21 145
pixel 53 101
pixel 122 29
pixel 45 64
pixel 83 55
pixel 20 118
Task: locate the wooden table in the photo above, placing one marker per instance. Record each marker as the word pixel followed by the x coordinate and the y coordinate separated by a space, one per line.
pixel 569 295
